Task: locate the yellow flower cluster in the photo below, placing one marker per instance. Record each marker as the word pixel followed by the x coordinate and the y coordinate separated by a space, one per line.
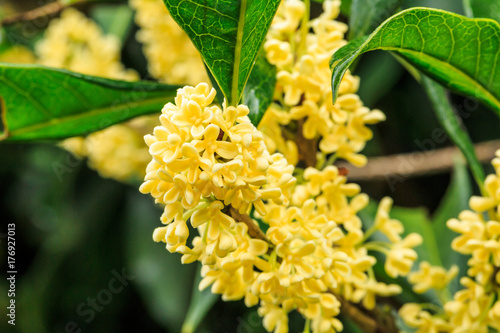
pixel 476 308
pixel 18 54
pixel 118 151
pixel 171 56
pixel 205 159
pixel 212 171
pixel 76 43
pixel 303 90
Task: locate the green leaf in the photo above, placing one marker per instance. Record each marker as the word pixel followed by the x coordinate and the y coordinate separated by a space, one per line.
pixel 228 35
pixel 483 8
pixel 114 19
pixel 345 7
pixel 455 200
pixel 259 90
pixel 201 303
pixel 451 123
pixel 461 53
pixel 366 15
pixel 41 103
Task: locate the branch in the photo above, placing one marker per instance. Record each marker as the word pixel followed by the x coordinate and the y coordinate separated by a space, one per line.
pixel 49 9
pixel 416 163
pixel 253 229
pixel 374 321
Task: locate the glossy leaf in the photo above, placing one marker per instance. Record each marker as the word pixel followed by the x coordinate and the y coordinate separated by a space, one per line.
pixel 455 200
pixel 483 8
pixel 451 123
pixel 201 303
pixel 461 53
pixel 259 90
pixel 366 15
pixel 228 35
pixel 41 103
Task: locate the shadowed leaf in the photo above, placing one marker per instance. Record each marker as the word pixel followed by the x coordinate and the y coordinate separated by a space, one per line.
pixel 228 35
pixel 461 53
pixel 41 103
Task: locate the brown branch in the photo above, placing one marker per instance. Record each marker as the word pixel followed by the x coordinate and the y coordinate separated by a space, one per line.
pixel 307 148
pixel 416 163
pixel 374 321
pixel 50 9
pixel 253 229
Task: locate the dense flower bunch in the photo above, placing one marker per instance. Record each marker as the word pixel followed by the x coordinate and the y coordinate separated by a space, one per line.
pixel 92 53
pixel 476 308
pixel 262 235
pixel 178 64
pixel 303 90
pixel 212 172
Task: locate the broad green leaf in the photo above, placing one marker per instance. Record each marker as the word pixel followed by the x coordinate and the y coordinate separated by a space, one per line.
pixel 366 15
pixel 461 53
pixel 228 35
pixel 483 8
pixel 114 19
pixel 451 123
pixel 201 303
pixel 259 90
pixel 455 200
pixel 40 103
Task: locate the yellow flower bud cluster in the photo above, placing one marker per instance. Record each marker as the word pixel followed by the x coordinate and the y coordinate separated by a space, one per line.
pixel 476 308
pixel 212 172
pixel 118 151
pixel 76 43
pixel 171 56
pixel 303 91
pixel 17 54
pixel 206 159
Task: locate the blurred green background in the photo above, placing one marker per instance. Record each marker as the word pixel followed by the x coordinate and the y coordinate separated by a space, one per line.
pixel 75 229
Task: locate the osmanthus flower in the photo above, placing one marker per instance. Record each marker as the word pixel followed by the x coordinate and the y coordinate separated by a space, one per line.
pixel 207 158
pixel 303 89
pixel 92 53
pixel 401 256
pixel 424 321
pixel 431 277
pixel 367 290
pixel 474 308
pixel 181 64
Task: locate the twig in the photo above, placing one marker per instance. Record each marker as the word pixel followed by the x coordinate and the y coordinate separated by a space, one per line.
pixel 307 148
pixel 253 229
pixel 416 163
pixel 50 9
pixel 374 321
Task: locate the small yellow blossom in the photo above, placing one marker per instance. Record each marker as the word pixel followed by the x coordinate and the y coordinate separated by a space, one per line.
pixel 431 277
pixel 303 87
pixel 181 64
